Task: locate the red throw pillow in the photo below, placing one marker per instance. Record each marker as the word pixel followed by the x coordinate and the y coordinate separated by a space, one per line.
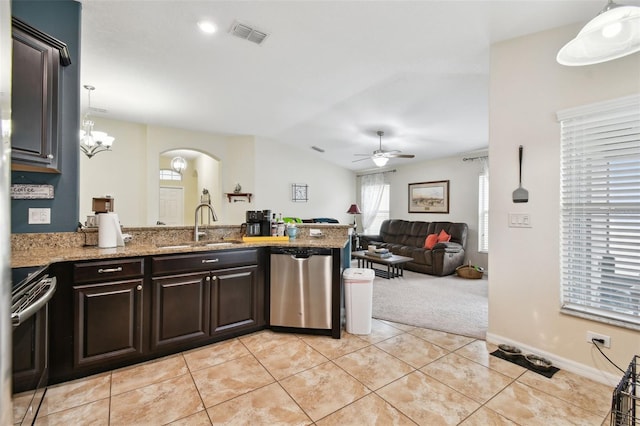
pixel 430 241
pixel 443 237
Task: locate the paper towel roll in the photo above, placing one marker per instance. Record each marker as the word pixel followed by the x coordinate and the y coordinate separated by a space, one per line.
pixel 109 232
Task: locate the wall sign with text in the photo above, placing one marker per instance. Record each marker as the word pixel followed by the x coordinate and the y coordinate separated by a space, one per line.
pixel 31 192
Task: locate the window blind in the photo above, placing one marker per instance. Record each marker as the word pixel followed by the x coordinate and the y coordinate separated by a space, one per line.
pixel 600 211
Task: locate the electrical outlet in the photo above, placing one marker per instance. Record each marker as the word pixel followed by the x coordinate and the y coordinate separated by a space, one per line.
pixel 40 216
pixel 605 338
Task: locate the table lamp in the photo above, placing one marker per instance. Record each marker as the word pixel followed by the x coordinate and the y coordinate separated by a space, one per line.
pixel 354 210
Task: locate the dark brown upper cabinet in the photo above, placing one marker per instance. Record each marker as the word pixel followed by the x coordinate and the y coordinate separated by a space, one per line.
pixel 35 98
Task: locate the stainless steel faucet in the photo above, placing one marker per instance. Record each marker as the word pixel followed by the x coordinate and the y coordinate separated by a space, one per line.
pixel 196 233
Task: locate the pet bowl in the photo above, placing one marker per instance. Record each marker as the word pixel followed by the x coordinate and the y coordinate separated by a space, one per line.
pixel 509 351
pixel 538 362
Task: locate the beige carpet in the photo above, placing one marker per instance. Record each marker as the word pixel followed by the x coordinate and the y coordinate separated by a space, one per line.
pixel 452 304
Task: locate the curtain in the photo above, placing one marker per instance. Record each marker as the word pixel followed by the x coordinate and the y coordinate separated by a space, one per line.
pixel 371 187
pixel 483 206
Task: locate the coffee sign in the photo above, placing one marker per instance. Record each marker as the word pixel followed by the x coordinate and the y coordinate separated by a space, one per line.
pixel 31 192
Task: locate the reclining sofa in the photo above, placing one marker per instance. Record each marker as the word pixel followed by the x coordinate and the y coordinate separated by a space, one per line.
pixel 406 238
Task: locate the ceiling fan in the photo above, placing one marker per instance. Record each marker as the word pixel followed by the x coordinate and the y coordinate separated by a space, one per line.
pixel 380 156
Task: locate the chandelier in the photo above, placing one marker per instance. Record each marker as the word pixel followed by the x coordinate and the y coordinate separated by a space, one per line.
pixel 93 141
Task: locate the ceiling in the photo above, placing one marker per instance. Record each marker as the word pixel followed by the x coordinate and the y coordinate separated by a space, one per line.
pixel 330 73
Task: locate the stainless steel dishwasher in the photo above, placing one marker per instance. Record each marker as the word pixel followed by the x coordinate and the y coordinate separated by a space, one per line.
pixel 301 287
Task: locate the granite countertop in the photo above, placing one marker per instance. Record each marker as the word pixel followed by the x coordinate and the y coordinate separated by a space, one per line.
pixel 51 254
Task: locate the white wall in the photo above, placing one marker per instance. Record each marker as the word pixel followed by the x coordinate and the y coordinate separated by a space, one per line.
pixel 130 171
pixel 209 176
pixel 524 285
pixel 331 188
pixel 264 168
pixel 463 196
pixel 121 173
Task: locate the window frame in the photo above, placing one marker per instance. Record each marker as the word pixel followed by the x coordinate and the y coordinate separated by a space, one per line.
pixel 172 174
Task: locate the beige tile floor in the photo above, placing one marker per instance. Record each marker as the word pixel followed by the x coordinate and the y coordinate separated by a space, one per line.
pixel 398 374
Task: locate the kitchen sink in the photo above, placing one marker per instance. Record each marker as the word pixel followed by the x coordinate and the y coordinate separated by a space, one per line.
pixel 217 243
pixel 173 246
pixel 199 244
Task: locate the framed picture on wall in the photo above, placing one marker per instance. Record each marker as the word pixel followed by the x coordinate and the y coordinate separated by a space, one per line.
pixel 429 197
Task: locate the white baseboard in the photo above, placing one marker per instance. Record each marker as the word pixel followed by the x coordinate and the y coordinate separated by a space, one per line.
pixel 594 374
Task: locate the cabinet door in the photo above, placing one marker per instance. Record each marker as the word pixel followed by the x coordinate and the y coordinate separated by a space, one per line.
pixel 107 321
pixel 234 299
pixel 180 309
pixel 29 352
pixel 34 101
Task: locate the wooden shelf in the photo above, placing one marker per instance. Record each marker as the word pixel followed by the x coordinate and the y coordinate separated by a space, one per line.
pixel 232 195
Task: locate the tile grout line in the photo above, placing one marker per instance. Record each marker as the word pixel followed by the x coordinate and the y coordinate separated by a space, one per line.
pixel 110 396
pixel 204 406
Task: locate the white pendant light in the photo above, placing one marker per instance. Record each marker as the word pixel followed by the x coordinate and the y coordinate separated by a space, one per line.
pixel 614 33
pixel 93 141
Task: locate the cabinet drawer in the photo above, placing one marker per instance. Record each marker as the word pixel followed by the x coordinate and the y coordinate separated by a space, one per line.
pixel 107 270
pixel 202 261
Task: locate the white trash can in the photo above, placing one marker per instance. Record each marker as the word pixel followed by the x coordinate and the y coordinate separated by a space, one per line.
pixel 358 290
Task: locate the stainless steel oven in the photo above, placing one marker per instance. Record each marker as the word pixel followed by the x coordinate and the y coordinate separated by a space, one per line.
pixel 30 341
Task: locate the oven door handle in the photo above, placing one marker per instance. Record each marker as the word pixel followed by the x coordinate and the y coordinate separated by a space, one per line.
pixel 18 318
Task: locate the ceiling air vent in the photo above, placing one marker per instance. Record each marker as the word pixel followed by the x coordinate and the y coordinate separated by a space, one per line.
pixel 246 32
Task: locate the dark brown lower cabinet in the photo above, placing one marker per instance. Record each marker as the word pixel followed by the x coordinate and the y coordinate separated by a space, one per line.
pixel 191 307
pixel 108 321
pixel 116 312
pixel 234 298
pixel 180 309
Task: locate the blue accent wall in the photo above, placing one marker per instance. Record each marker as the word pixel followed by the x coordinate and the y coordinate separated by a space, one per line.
pixel 60 19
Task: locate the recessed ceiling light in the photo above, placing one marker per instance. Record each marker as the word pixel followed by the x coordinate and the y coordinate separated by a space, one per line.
pixel 207 27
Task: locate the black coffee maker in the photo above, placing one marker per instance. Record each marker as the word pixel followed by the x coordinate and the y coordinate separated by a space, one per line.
pixel 253 226
pixel 265 224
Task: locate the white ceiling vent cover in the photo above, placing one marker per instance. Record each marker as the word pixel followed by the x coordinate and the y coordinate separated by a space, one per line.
pixel 246 32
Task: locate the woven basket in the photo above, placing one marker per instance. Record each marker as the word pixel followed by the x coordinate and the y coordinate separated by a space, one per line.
pixel 469 272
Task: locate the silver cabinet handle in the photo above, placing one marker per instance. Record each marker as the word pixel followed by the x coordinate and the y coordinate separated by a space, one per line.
pixel 215 277
pixel 50 156
pixel 139 287
pixel 210 260
pixel 106 271
pixel 208 279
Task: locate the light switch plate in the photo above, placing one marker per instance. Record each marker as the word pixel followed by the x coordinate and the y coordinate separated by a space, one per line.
pixel 40 216
pixel 519 220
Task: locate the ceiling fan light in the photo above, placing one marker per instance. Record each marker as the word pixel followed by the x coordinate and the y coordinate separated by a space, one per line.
pixel 614 33
pixel 380 161
pixel 207 27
